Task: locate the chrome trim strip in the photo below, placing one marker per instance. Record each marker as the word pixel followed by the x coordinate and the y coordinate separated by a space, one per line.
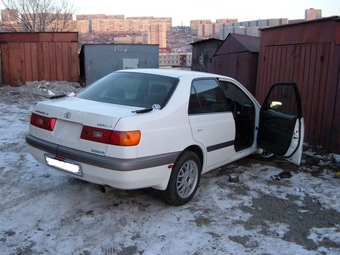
pixel 110 163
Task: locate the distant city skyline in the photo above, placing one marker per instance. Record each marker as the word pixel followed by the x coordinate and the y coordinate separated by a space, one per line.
pixel 182 12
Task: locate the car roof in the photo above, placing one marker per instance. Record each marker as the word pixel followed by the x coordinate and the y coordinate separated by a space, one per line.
pixel 176 73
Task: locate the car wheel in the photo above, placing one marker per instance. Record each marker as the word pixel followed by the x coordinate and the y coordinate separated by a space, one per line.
pixel 264 155
pixel 184 179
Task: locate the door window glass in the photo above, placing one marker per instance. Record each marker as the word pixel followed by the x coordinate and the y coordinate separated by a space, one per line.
pixel 233 92
pixel 206 97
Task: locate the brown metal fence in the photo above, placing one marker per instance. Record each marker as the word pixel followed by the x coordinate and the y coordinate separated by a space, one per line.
pixel 39 56
pixel 307 53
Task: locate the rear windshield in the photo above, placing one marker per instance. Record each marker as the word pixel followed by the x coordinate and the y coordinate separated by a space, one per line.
pixel 132 89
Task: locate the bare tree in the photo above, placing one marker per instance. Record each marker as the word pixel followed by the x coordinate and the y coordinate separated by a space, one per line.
pixel 37 15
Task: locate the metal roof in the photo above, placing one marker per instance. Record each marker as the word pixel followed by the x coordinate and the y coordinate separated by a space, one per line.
pixel 334 18
pixel 206 40
pixel 239 43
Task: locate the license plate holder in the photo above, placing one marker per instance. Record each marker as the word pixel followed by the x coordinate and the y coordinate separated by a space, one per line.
pixel 63 164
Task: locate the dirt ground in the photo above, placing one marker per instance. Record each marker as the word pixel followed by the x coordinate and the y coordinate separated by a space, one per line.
pixel 275 214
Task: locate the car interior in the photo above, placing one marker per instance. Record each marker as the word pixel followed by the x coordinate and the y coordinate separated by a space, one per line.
pixel 206 97
pixel 244 114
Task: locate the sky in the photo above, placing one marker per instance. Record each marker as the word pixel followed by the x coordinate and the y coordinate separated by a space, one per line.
pixel 184 11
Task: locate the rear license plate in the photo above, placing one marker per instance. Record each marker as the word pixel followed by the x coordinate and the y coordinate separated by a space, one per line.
pixel 63 164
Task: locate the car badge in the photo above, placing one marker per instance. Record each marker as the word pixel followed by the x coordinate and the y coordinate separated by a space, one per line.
pixel 156 107
pixel 67 115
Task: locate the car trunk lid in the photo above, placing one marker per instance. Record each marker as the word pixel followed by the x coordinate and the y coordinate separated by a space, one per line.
pixel 72 115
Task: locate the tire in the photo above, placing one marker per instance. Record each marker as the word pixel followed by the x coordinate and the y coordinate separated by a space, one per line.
pixel 264 155
pixel 184 179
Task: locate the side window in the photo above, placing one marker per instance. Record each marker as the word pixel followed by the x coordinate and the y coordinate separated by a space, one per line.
pixel 233 92
pixel 194 103
pixel 206 97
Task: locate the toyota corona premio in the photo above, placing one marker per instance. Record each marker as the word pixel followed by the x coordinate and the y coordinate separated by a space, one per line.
pixel 163 129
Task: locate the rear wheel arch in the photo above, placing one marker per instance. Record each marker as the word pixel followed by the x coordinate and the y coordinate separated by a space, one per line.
pixel 198 151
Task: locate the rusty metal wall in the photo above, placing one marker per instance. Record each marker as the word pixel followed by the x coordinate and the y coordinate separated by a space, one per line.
pixel 237 57
pixel 0 68
pixel 307 53
pixel 241 66
pixel 39 56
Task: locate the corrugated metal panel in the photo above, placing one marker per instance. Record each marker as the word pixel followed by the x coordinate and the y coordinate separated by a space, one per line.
pixel 0 66
pixel 335 133
pixel 306 53
pixel 98 60
pixel 237 57
pixel 39 56
pixel 240 66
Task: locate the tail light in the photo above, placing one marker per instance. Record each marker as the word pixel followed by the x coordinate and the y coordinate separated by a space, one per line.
pixel 120 138
pixel 43 122
pixel 95 134
pixel 125 138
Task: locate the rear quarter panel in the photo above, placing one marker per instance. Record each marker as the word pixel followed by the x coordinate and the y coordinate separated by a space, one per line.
pixel 163 131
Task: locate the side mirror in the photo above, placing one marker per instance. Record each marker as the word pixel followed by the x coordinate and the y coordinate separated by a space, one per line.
pixel 275 106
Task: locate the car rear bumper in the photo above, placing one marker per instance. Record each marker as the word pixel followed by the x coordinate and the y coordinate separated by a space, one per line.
pixel 152 171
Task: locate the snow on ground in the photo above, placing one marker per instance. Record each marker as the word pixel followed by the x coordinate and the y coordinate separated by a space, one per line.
pixel 46 212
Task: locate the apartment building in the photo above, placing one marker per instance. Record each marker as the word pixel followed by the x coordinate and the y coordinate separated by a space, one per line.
pixel 313 14
pixel 12 20
pixel 101 23
pixel 175 59
pixel 195 23
pixel 129 30
pixel 250 27
pixel 166 20
pixel 99 16
pixel 157 34
pixel 207 28
pixel 8 15
pixel 128 39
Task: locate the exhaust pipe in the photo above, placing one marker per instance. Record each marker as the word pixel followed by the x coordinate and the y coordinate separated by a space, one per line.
pixel 106 188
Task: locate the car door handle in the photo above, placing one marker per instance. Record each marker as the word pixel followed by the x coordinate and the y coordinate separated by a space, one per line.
pixel 199 129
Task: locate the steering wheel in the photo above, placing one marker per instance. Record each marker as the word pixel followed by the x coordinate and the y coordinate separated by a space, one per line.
pixel 231 106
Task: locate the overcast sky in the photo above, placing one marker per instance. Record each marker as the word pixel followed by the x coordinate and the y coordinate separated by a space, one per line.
pixel 182 11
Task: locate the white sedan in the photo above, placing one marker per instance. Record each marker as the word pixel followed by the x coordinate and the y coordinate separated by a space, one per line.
pixel 163 128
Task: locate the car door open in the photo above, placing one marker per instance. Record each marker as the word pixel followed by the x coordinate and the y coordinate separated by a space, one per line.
pixel 281 125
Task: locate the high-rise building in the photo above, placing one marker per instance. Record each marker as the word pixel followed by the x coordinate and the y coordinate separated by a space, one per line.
pixel 206 27
pixel 206 30
pixel 157 34
pixel 250 27
pixel 195 23
pixel 166 20
pixel 313 14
